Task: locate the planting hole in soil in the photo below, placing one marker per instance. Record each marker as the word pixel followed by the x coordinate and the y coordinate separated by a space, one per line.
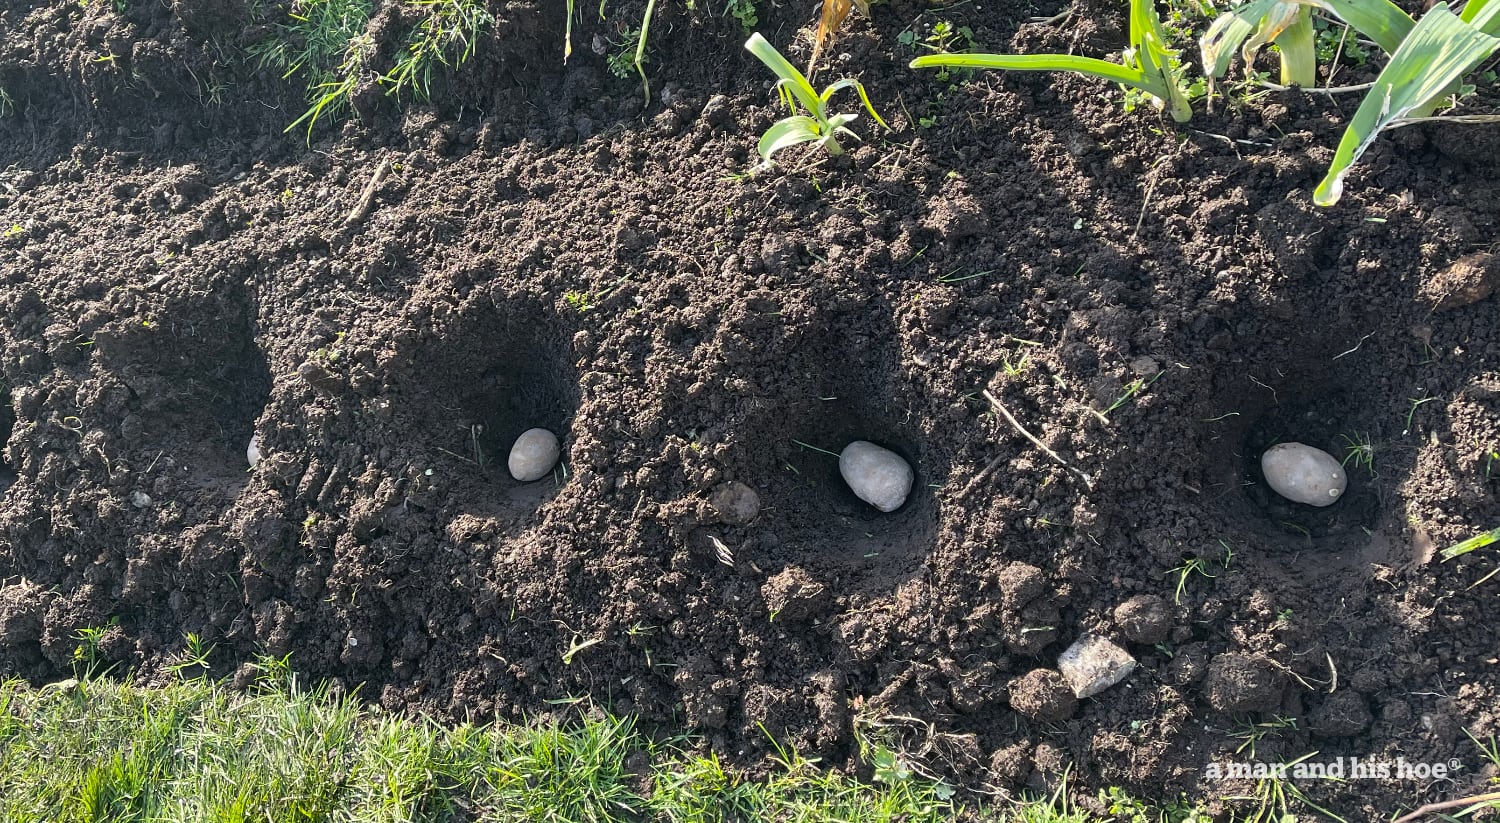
pixel 1316 403
pixel 829 399
pixel 496 371
pixel 193 388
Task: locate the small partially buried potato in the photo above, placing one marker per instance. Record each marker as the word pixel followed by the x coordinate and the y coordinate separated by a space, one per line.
pixel 533 456
pixel 877 476
pixel 1303 474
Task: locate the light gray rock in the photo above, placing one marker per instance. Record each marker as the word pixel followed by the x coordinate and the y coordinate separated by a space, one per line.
pixel 1093 664
pixel 533 456
pixel 252 451
pixel 1303 474
pixel 877 476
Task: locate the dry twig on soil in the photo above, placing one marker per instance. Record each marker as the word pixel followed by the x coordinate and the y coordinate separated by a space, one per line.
pixel 1088 481
pixel 1447 804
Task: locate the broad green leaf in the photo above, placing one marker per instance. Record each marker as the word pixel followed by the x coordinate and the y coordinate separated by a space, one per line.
pixel 786 133
pixel 1229 30
pixel 1483 15
pixel 1439 51
pixel 1260 22
pixel 1380 20
pixel 790 76
pixel 1150 55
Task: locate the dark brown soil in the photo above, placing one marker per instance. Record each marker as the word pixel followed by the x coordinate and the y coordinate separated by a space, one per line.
pixel 548 252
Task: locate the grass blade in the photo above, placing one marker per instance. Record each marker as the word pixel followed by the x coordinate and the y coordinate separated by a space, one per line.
pixel 1478 541
pixel 1439 51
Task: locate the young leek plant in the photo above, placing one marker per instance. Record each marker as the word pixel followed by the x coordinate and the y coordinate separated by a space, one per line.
pixel 1288 24
pixel 1148 65
pixel 818 125
pixel 1441 48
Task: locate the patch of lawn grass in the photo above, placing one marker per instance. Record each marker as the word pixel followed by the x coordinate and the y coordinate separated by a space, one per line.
pixel 98 749
pixel 104 750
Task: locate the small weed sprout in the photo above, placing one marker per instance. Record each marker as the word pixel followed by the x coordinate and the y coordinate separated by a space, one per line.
pixel 194 656
pixel 1249 734
pixel 818 125
pixel 621 62
pixel 743 11
pixel 1359 451
pixel 87 655
pixel 1198 566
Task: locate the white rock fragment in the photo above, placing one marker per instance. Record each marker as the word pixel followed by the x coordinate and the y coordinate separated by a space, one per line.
pixel 533 456
pixel 252 451
pixel 877 476
pixel 1093 664
pixel 140 499
pixel 1303 474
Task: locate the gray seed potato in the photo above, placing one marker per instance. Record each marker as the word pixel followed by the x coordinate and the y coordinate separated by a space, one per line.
pixel 533 455
pixel 1303 474
pixel 877 476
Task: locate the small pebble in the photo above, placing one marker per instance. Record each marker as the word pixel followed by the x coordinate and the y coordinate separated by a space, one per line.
pixel 533 456
pixel 1303 474
pixel 877 476
pixel 1093 664
pixel 140 499
pixel 252 451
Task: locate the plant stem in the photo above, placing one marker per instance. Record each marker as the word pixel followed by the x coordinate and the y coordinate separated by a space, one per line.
pixel 1298 44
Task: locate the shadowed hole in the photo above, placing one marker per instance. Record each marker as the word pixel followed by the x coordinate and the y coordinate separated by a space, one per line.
pixel 474 387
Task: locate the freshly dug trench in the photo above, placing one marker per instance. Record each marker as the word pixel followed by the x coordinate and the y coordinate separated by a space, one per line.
pixel 534 454
pixel 877 476
pixel 1303 474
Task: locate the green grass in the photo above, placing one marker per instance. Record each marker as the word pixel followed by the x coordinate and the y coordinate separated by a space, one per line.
pixel 323 43
pixel 104 750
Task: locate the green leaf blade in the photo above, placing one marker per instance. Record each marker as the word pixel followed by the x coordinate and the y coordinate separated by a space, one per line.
pixel 793 79
pixel 1439 51
pixel 1093 67
pixel 786 133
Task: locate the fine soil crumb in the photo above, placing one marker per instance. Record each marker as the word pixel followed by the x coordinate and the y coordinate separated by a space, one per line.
pixel 1043 694
pixel 1236 683
pixel 1020 584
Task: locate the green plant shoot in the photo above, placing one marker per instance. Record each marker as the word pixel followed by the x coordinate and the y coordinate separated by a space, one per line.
pixel 1288 24
pixel 1440 50
pixel 1148 65
pixel 817 126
